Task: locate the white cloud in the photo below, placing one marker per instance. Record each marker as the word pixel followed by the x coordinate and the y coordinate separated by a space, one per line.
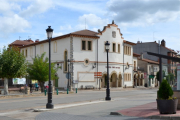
pixel 13 24
pixel 92 20
pixel 143 12
pixel 66 27
pixel 82 6
pixel 37 7
pixel 57 34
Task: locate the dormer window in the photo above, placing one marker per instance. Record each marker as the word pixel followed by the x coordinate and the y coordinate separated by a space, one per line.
pixel 114 34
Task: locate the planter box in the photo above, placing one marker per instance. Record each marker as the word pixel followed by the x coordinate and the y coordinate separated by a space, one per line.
pixel 177 95
pixel 167 106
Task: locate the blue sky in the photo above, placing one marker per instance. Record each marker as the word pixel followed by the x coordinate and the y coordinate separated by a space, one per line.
pixel 143 20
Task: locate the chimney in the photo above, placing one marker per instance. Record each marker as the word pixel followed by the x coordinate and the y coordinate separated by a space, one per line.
pixel 37 40
pixel 163 43
pixel 141 56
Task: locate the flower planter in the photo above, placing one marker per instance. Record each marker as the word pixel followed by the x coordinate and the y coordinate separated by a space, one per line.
pixel 167 106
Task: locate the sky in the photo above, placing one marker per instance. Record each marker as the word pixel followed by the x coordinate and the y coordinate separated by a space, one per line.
pixel 138 20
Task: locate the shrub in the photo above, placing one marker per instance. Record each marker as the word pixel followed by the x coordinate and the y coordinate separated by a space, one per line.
pixel 165 91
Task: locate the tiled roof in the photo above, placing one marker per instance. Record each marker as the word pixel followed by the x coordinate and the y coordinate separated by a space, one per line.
pixel 149 61
pixel 85 32
pixel 130 43
pixel 20 42
pixel 136 55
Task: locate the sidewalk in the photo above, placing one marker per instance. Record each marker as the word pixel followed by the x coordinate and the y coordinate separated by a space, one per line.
pixel 34 93
pixel 148 110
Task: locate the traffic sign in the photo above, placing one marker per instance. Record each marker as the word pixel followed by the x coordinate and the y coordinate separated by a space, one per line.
pixel 68 75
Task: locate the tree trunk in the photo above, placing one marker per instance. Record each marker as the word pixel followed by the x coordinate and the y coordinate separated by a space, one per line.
pixel 42 86
pixel 6 86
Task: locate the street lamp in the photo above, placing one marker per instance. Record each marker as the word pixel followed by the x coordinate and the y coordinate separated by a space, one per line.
pixel 49 105
pixel 107 90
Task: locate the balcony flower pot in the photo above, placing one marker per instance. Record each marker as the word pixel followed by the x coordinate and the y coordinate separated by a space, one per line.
pixel 166 104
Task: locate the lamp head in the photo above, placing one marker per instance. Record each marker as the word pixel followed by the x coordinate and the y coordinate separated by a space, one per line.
pixel 49 32
pixel 107 45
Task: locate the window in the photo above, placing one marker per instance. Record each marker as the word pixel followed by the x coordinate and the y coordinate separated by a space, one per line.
pixel 55 47
pixel 114 34
pixel 31 51
pixel 118 48
pixel 134 65
pixel 23 52
pixel 86 45
pixel 127 50
pixel 41 49
pixel 86 62
pixel 114 47
pixel 83 45
pixel 26 53
pixel 65 61
pixel 89 45
pixel 127 76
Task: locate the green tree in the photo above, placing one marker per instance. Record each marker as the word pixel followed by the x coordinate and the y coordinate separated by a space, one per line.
pixel 165 91
pixel 39 70
pixel 12 65
pixel 157 75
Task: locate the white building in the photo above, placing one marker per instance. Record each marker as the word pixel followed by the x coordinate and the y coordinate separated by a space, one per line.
pixel 86 51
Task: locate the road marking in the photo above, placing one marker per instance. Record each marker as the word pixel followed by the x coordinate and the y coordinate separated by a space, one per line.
pixel 69 105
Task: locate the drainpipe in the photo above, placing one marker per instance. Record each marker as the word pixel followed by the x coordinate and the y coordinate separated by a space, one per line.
pixel 123 64
pixel 97 64
pixel 35 50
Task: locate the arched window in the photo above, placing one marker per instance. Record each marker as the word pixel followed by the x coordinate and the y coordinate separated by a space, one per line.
pixel 55 47
pixel 41 49
pixel 65 61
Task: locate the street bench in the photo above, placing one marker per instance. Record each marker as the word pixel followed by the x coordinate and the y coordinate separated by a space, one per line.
pixel 89 86
pixel 13 89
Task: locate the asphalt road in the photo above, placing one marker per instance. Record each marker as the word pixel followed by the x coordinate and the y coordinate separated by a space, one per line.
pixel 120 100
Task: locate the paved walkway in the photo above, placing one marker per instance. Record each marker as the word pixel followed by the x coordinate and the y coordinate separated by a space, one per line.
pixel 147 110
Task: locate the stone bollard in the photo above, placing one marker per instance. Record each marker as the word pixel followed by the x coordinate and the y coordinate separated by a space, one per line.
pixel 27 90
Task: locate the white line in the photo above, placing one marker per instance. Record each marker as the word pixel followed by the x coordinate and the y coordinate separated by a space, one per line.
pixel 69 105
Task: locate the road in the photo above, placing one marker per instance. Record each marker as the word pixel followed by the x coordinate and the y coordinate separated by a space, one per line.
pixel 21 108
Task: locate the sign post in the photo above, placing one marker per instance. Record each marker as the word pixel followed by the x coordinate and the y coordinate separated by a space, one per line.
pixel 98 75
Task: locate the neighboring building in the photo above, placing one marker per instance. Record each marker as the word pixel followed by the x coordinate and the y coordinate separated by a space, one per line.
pixel 149 68
pixel 156 48
pixel 20 43
pixel 138 75
pixel 87 54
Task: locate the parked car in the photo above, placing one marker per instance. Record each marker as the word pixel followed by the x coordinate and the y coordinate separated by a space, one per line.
pixel 174 86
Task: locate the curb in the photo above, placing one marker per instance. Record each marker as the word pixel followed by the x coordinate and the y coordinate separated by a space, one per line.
pixel 31 95
pixel 165 117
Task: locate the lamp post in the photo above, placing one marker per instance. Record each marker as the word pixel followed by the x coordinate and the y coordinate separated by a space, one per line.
pixel 107 90
pixel 49 105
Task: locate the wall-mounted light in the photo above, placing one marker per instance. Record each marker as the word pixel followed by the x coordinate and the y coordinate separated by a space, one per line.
pixel 59 65
pixel 94 65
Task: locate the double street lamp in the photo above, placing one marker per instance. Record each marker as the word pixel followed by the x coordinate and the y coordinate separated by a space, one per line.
pixel 49 105
pixel 107 90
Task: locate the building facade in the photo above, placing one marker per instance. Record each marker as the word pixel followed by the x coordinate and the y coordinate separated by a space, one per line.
pixel 86 52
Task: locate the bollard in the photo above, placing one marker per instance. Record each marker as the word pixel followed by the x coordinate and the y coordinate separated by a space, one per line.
pixel 45 92
pixel 57 91
pixel 76 90
pixel 67 91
